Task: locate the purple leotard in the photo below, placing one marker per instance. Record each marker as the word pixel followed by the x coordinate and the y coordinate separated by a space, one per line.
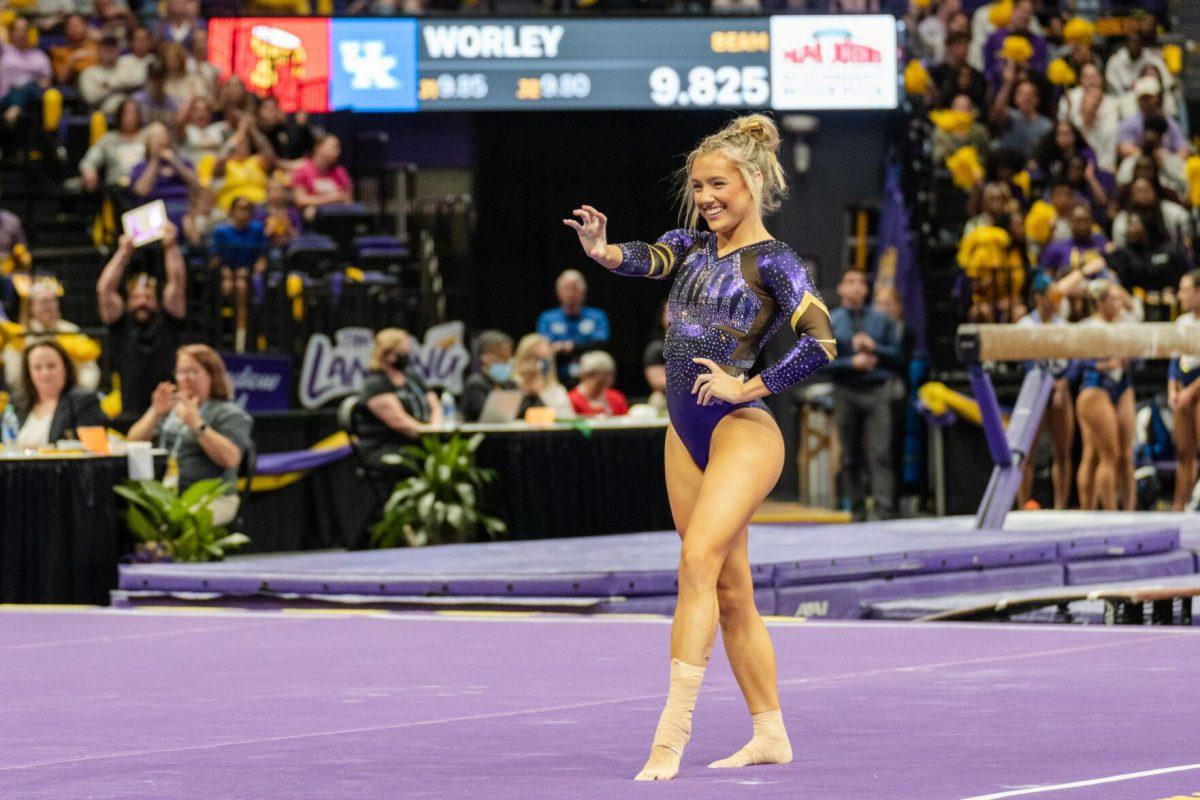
pixel 725 309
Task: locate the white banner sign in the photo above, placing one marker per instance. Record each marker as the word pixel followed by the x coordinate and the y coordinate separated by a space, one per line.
pixel 844 62
pixel 336 368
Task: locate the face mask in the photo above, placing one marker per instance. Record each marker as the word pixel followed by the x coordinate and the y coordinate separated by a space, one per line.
pixel 400 361
pixel 546 366
pixel 499 372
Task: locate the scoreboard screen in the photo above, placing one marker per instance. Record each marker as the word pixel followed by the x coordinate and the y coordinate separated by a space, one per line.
pixel 788 63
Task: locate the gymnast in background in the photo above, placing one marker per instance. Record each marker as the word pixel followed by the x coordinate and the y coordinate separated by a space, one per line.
pixel 734 286
pixel 1182 392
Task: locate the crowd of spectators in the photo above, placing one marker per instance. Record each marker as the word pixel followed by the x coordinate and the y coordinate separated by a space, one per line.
pixel 1079 187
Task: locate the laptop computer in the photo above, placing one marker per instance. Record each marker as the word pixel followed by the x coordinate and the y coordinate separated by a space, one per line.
pixel 501 406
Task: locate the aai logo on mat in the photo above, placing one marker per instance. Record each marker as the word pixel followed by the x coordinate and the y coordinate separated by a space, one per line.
pixel 374 65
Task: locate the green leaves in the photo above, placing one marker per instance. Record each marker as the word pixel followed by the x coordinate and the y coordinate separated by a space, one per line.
pixel 180 527
pixel 440 501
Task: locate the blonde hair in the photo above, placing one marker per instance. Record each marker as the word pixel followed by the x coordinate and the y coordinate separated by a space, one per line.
pixel 386 340
pixel 524 354
pixel 751 142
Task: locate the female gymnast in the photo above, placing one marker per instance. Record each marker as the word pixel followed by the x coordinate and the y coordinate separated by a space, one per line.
pixel 1182 392
pixel 734 286
pixel 1105 408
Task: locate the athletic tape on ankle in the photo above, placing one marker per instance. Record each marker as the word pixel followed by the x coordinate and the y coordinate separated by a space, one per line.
pixel 675 723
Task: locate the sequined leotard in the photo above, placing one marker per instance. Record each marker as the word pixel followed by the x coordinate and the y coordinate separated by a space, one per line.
pixel 725 309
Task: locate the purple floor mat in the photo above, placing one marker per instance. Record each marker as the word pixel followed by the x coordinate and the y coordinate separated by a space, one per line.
pixel 644 564
pixel 112 705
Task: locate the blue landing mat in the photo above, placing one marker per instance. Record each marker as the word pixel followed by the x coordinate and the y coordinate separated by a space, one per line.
pixel 644 564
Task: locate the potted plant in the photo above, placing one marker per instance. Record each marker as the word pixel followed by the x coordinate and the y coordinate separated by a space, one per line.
pixel 173 527
pixel 440 501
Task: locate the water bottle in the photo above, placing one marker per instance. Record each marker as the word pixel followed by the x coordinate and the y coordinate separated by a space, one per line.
pixel 10 427
pixel 448 408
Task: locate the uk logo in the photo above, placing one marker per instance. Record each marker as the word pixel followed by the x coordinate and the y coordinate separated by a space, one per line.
pixel 375 64
pixel 369 64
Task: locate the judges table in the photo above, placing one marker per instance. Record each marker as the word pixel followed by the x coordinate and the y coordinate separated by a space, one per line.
pixel 60 538
pixel 577 478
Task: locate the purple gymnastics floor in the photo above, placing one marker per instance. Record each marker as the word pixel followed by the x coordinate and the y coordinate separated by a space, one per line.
pixel 200 704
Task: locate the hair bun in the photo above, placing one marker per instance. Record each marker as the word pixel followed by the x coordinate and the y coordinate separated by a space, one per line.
pixel 760 128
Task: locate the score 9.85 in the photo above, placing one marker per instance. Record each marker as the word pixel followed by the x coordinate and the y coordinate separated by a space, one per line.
pixel 710 86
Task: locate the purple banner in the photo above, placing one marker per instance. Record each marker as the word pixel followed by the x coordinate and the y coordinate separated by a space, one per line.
pixel 260 383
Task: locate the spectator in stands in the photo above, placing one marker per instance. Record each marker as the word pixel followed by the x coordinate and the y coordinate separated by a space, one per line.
pixel 868 355
pixel 932 31
pixel 654 363
pixel 1057 147
pixel 320 180
pixel 946 142
pixel 46 322
pixel 1020 25
pixel 238 248
pixel 136 63
pixel 196 419
pixel 50 406
pixel 495 350
pixel 998 205
pixel 202 135
pixel 399 406
pixel 1159 215
pixel 1085 243
pixel 572 327
pixel 1094 115
pixel 1021 127
pixel 180 85
pixel 204 72
pixel 1127 103
pixel 201 219
pixel 163 175
pixel 1125 65
pixel 244 171
pixel 115 154
pixel 1081 176
pixel 143 334
pixel 112 17
pixel 984 22
pixel 14 256
pixel 234 101
pixel 109 82
pixel 181 23
pixel 888 302
pixel 24 75
pixel 1156 161
pixel 1146 257
pixel 292 139
pixel 1183 390
pixel 76 54
pixel 1132 130
pixel 533 372
pixel 155 103
pixel 594 395
pixel 954 76
pixel 281 220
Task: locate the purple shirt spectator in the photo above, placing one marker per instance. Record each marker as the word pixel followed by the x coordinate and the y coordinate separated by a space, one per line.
pixel 168 184
pixel 993 65
pixel 1131 130
pixel 161 110
pixel 19 67
pixel 1059 258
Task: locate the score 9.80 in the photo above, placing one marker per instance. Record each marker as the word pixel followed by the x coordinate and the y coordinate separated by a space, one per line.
pixel 710 86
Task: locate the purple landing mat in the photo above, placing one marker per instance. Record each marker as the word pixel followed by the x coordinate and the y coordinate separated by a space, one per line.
pixel 1180 562
pixel 1085 610
pixel 644 564
pixel 130 705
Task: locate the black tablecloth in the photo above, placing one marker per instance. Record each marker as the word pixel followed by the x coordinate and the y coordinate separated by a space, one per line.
pixel 558 483
pixel 60 539
pixel 552 483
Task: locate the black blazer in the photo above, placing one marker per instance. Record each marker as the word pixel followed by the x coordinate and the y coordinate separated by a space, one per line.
pixel 78 407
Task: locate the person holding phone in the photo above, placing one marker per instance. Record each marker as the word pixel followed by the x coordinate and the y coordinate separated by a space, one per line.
pixel 144 333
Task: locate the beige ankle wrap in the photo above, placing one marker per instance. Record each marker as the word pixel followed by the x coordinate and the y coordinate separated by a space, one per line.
pixel 675 724
pixel 768 745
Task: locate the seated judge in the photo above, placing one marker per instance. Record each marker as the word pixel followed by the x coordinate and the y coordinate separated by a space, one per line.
pixel 51 405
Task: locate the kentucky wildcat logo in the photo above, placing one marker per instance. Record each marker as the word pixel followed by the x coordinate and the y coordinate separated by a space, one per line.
pixel 335 370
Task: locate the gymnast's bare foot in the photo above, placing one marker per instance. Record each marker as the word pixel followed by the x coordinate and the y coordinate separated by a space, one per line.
pixel 662 765
pixel 768 745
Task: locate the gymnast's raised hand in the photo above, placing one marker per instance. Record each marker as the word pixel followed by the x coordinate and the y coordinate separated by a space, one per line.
pixel 592 228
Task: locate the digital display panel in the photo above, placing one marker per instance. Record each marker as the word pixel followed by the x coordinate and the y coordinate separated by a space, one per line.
pixel 788 63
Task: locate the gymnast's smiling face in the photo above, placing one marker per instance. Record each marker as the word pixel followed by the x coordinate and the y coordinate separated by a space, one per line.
pixel 721 195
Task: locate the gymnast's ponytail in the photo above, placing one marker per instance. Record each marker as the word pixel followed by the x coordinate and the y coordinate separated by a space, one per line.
pixel 751 142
